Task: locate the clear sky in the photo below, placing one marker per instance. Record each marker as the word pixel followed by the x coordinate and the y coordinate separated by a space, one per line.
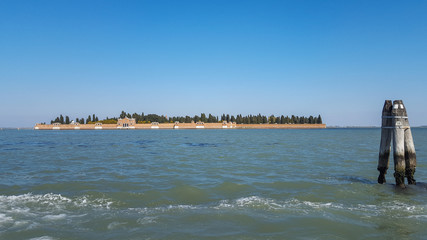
pixel 340 59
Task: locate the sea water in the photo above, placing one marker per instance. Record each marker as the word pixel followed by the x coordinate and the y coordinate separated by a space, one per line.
pixel 205 184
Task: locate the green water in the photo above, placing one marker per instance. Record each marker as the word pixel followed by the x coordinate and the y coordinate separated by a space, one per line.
pixel 205 184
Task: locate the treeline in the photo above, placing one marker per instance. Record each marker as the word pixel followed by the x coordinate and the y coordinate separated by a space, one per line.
pixel 89 120
pixel 239 119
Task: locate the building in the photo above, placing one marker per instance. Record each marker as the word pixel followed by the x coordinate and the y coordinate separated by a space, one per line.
pixel 126 123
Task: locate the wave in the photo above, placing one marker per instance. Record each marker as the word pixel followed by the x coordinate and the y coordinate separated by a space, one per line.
pixel 43 238
pixel 256 203
pixel 27 211
pixel 51 199
pixel 27 203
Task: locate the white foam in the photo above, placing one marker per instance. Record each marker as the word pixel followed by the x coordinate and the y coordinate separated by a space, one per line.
pixel 418 216
pixel 42 238
pixel 114 225
pixel 5 219
pixel 54 217
pixel 54 200
pixel 28 211
pixel 392 208
pixel 146 220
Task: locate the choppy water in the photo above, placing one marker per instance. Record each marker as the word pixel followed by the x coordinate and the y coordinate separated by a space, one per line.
pixel 205 184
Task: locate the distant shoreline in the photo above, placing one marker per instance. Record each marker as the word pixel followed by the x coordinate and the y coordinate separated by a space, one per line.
pixel 327 127
pixel 199 125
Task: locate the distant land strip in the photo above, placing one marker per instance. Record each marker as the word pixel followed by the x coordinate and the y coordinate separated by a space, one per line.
pixel 154 121
pixel 198 125
pixel 206 118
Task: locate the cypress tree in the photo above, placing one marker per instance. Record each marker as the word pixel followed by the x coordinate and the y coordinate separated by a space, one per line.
pixel 203 117
pixel 67 120
pixel 264 119
pixel 319 119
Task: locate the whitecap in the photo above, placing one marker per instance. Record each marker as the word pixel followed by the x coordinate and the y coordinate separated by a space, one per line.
pixel 54 217
pixel 22 202
pixel 42 238
pixel 146 220
pixel 4 219
pixel 115 225
pixel 418 216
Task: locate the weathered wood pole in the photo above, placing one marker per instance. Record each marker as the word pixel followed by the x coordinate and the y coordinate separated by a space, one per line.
pixel 386 134
pixel 395 125
pixel 410 156
pixel 403 146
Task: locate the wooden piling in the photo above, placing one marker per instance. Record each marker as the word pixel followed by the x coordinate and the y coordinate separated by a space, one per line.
pixel 398 143
pixel 395 125
pixel 410 155
pixel 386 135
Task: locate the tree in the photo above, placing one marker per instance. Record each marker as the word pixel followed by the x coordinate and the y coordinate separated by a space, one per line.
pixel 271 119
pixel 88 119
pixel 319 119
pixel 293 119
pixel 211 118
pixel 123 114
pixel 264 119
pixel 203 117
pixel 61 119
pixel 67 120
pixel 196 118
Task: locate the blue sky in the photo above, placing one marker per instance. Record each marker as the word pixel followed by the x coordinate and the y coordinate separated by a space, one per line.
pixel 340 59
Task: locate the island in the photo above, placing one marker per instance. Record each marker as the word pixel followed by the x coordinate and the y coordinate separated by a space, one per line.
pixel 153 121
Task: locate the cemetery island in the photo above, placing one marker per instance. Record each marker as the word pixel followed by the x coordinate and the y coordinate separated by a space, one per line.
pixel 153 121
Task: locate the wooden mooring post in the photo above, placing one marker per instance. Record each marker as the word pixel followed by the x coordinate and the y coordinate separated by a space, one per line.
pixel 395 125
